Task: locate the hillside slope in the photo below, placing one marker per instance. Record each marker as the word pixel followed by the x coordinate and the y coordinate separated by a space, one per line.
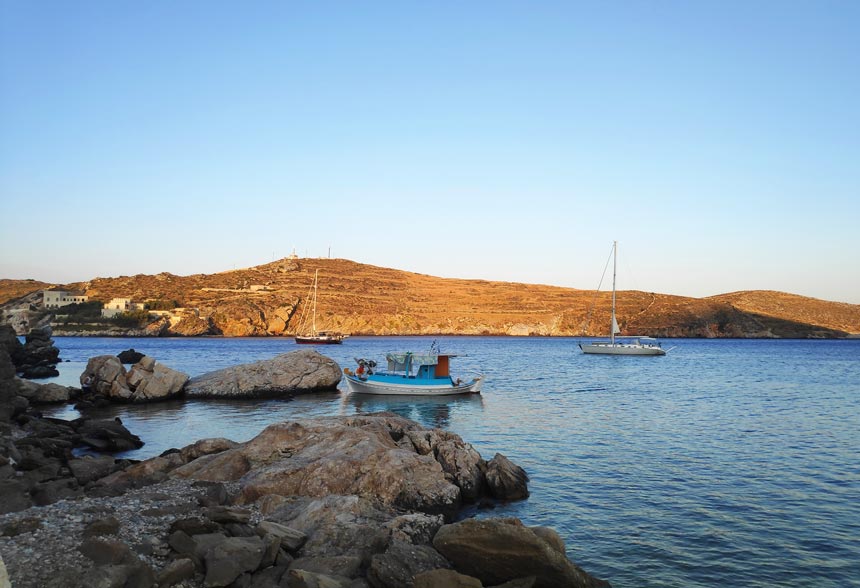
pixel 363 299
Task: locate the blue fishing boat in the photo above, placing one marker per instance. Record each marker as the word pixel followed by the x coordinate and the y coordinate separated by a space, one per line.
pixel 416 374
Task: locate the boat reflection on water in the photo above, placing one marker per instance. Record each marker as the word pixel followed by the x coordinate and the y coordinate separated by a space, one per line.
pixel 430 411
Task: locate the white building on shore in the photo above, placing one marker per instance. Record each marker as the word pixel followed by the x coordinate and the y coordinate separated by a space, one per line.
pixel 120 305
pixel 60 298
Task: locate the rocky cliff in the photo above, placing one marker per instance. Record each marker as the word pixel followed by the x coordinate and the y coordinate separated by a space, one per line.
pixel 363 299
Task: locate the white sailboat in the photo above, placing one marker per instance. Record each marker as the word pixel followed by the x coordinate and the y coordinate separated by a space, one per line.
pixel 629 345
pixel 311 336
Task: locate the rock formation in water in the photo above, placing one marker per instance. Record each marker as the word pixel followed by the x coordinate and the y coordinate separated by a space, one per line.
pixel 297 372
pixel 37 357
pixel 147 380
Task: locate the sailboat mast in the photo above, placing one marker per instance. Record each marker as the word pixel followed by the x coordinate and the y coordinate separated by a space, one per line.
pixel 314 319
pixel 614 263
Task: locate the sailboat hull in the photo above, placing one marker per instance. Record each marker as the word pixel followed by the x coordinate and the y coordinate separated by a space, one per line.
pixel 319 339
pixel 620 349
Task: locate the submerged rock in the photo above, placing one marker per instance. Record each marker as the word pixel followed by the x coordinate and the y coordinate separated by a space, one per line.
pixel 297 372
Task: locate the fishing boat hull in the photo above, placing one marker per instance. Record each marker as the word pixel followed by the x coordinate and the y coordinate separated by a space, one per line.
pixel 409 386
pixel 620 349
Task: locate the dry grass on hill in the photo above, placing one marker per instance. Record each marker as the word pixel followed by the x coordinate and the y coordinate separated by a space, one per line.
pixel 364 299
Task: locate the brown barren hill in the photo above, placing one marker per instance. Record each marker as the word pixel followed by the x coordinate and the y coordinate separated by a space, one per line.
pixel 13 289
pixel 364 299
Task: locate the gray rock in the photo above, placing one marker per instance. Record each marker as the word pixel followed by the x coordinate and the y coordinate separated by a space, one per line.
pixel 297 372
pixel 149 380
pixel 268 577
pixel 333 455
pixel 194 526
pixel 228 514
pixel 206 447
pixel 305 579
pixel 105 526
pixel 21 526
pixel 338 565
pixel 445 579
pixel 110 436
pixel 107 551
pixel 175 572
pixel 457 458
pixel 230 558
pixel 105 375
pixel 337 525
pixel 53 490
pixel 401 562
pixel 42 393
pixel 14 496
pixel 551 537
pixel 500 550
pixel 132 575
pixel 130 356
pixel 415 528
pixel 506 480
pixel 290 539
pixel 88 468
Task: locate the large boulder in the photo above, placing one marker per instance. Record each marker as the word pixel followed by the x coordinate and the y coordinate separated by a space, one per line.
pixel 457 458
pixel 290 373
pixel 42 393
pixel 147 380
pixel 150 380
pixel 401 562
pixel 336 525
pixel 39 352
pixel 106 376
pixel 334 455
pixel 506 480
pixel 104 435
pixel 500 550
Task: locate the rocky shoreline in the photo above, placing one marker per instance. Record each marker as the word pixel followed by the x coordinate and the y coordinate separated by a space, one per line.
pixel 332 502
pixel 340 502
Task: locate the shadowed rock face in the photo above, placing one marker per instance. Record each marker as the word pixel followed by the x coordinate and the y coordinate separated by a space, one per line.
pixel 290 373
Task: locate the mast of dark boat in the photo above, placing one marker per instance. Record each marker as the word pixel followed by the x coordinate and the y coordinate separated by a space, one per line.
pixel 314 305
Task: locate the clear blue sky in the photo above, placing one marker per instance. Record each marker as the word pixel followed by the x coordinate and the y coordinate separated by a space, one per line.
pixel 718 142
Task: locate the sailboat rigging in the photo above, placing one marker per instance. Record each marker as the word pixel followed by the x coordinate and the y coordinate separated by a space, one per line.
pixel 629 345
pixel 312 336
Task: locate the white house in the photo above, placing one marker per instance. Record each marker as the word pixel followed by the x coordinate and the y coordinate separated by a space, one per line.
pixel 120 305
pixel 58 298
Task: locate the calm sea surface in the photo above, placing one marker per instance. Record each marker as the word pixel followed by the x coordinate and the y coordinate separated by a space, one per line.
pixel 724 463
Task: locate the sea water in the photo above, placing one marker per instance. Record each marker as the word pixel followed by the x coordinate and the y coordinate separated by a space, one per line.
pixel 726 462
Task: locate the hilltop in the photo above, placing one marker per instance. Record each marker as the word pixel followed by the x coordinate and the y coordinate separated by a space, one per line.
pixel 364 299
